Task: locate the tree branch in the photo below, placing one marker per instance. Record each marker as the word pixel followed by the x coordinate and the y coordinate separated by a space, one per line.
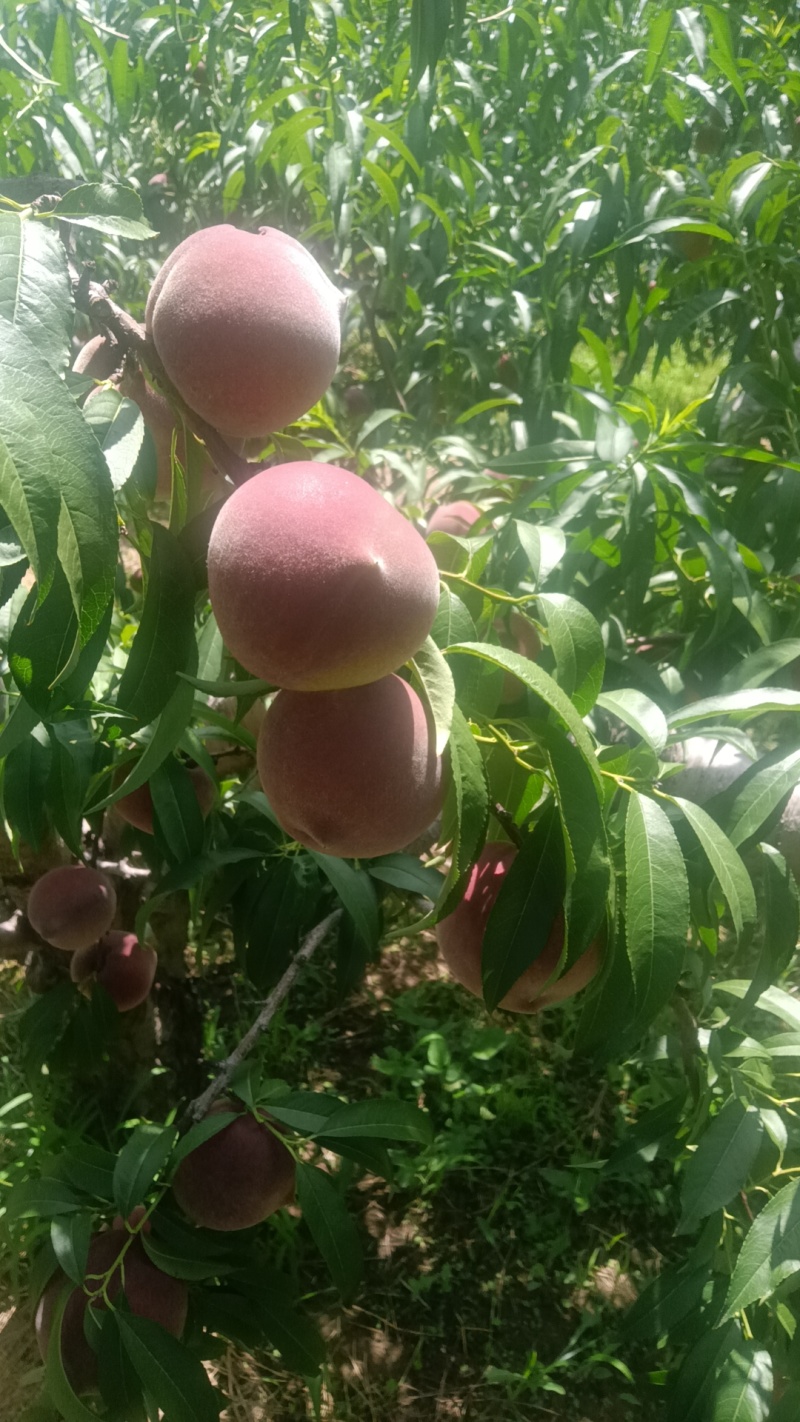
pixel 201 1104
pixel 92 298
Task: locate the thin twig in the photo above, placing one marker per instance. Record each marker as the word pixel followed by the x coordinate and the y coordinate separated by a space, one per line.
pixel 200 1106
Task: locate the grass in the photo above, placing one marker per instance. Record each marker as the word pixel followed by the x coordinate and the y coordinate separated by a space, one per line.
pixel 500 1259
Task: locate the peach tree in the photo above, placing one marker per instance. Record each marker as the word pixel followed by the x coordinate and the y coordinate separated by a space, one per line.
pixel 280 684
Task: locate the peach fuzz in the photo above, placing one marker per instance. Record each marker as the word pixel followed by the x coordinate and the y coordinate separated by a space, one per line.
pixel 316 582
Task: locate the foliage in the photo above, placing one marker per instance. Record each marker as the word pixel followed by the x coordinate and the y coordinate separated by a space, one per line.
pixel 533 214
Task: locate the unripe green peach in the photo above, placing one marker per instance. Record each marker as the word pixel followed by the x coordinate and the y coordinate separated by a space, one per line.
pixel 247 327
pixel 236 1178
pixel 136 808
pixel 316 582
pixel 149 1292
pixel 456 518
pixel 351 773
pixel 71 907
pixel 460 937
pixel 121 964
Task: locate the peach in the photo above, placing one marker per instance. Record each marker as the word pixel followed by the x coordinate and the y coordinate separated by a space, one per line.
pixel 317 583
pixel 236 1178
pixel 98 358
pixel 72 906
pixel 120 964
pixel 456 518
pixel 137 807
pixel 247 328
pixel 351 773
pixel 150 1293
pixel 460 937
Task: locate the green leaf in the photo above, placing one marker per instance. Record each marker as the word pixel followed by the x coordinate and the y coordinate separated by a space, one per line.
pixel 788 1409
pixel 737 703
pixel 42 1198
pixel 588 861
pixel 70 772
pixel 164 644
pixel 405 872
pixel 522 918
pixel 761 794
pixel 57 1389
pixel 35 294
pixel 90 1169
pixel 107 207
pixel 640 713
pixel 770 1253
pixel 656 905
pixel 172 1376
pixel 46 660
pixel 118 427
pixel 720 1167
pixel 658 38
pixel 167 732
pixel 542 684
pixel 756 668
pixel 743 1389
pixel 141 1159
pixel 333 1230
pixel 434 680
pixel 192 1261
pixel 25 778
pixel 692 1396
pixel 357 893
pixel 466 810
pixel 198 1133
pixel 54 483
pixel 119 1384
pixel 731 873
pixel 722 49
pixel 453 622
pixel 385 1120
pixel 178 819
pixel 543 546
pixel 278 916
pixel 670 1298
pixel 70 1235
pixel 774 1000
pixel 294 1335
pixel 577 645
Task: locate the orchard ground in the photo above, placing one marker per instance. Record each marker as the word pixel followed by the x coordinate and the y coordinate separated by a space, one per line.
pixel 506 1279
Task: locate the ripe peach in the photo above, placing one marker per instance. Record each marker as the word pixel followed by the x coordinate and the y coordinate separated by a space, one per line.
pixel 137 807
pixel 247 327
pixel 456 518
pixel 352 773
pixel 150 1293
pixel 460 937
pixel 120 964
pixel 317 583
pixel 98 358
pixel 71 907
pixel 236 1178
